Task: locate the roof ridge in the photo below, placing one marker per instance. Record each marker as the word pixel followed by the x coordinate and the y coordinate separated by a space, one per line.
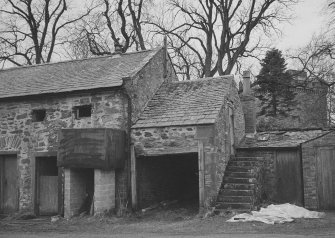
pixel 77 60
pixel 205 79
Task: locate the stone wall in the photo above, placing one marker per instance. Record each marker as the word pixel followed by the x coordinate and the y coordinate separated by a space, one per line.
pixel 308 111
pixel 309 164
pixel 104 191
pixel 216 156
pixel 19 133
pixel 269 179
pixel 164 140
pixel 144 84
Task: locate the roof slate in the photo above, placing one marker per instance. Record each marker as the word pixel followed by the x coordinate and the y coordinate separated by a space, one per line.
pixel 92 73
pixel 280 138
pixel 186 103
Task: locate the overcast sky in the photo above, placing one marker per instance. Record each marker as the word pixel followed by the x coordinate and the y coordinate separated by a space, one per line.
pixel 309 19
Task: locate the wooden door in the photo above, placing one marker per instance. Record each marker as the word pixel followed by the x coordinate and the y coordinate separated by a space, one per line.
pixel 47 185
pixel 9 198
pixel 288 177
pixel 325 164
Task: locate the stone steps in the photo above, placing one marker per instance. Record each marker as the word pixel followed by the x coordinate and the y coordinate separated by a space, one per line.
pixel 243 163
pixel 239 180
pixel 239 174
pixel 238 188
pixel 239 192
pixel 236 199
pixel 234 206
pixel 249 169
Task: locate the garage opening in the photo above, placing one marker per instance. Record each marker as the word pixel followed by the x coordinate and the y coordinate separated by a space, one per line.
pixel 80 192
pixel 168 178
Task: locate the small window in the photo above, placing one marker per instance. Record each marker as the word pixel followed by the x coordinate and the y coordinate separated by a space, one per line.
pixel 38 115
pixel 82 111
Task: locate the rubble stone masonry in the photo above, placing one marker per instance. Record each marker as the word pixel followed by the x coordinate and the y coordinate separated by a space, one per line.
pixel 19 133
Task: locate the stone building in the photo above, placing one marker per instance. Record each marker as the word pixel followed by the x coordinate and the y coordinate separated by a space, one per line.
pixel 308 109
pixel 297 155
pixel 113 132
pixel 39 104
pixel 184 139
pixel 120 131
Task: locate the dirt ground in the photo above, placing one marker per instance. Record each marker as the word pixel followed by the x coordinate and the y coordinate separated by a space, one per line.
pixel 164 222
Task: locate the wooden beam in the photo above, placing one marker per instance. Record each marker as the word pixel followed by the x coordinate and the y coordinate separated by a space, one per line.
pixel 201 164
pixel 133 177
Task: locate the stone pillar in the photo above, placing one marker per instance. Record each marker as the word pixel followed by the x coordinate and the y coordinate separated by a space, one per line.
pixel 104 190
pixel 74 192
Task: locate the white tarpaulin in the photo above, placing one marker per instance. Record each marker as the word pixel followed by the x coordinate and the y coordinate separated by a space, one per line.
pixel 277 214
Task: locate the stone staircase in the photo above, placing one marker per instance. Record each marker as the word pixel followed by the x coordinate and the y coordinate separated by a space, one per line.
pixel 242 184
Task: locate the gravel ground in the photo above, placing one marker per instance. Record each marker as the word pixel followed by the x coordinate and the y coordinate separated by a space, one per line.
pixel 177 222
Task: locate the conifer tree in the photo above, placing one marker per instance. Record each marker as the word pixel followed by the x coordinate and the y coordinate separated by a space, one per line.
pixel 274 85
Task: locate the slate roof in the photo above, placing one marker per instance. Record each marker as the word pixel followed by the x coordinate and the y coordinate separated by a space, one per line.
pixel 92 73
pixel 277 139
pixel 186 103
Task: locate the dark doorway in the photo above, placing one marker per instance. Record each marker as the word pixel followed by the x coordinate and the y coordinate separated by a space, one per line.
pixel 9 191
pixel 168 178
pixel 47 185
pixel 288 177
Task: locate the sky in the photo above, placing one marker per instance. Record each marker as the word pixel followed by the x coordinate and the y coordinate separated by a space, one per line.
pixel 309 19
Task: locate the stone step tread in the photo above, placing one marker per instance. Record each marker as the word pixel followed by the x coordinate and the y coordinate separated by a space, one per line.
pixel 240 168
pixel 240 180
pixel 226 190
pixel 235 199
pixel 238 186
pixel 240 174
pixel 238 196
pixel 247 157
pixel 236 210
pixel 234 205
pixel 243 163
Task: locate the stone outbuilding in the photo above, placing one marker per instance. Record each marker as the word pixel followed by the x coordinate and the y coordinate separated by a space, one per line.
pixel 183 141
pixel 77 115
pixel 287 175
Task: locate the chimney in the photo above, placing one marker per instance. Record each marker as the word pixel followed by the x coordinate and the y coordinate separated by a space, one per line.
pixel 246 82
pixel 248 102
pixel 117 47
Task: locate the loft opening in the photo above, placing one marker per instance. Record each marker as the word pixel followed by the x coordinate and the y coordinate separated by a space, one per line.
pixel 38 115
pixel 173 178
pixel 82 111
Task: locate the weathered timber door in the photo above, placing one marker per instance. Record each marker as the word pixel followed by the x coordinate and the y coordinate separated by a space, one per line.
pixel 325 163
pixel 9 196
pixel 288 177
pixel 47 185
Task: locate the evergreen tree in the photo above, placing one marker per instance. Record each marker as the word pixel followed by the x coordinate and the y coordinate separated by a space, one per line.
pixel 274 85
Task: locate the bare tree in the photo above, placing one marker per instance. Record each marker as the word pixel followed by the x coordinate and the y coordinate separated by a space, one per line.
pixel 317 61
pixel 116 22
pixel 30 30
pixel 218 33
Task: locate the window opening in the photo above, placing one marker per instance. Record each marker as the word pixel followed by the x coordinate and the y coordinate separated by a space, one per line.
pixel 38 115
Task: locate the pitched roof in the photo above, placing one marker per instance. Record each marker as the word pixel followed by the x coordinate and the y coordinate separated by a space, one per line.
pixel 92 73
pixel 186 103
pixel 283 138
